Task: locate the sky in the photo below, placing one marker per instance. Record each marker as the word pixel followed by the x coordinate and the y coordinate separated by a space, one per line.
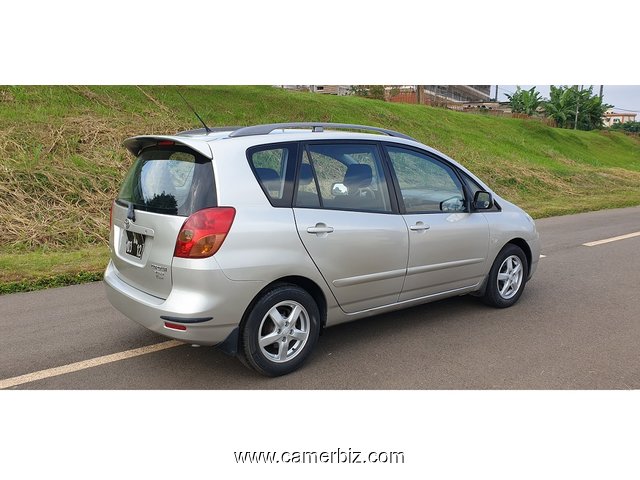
pixel 622 97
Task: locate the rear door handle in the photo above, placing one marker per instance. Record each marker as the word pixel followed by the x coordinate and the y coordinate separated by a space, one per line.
pixel 419 227
pixel 319 229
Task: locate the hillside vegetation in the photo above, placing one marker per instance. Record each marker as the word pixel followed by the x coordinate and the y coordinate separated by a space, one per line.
pixel 61 158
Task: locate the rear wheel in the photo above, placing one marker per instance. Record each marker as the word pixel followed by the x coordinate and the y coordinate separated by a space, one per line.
pixel 281 330
pixel 507 277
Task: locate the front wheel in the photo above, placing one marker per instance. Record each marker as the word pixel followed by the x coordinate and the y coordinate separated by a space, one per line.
pixel 507 277
pixel 281 330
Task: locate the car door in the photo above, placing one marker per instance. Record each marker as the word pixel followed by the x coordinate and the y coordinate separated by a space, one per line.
pixel 348 224
pixel 448 244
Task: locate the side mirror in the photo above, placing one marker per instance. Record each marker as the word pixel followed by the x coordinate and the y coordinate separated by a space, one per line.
pixel 482 200
pixel 339 190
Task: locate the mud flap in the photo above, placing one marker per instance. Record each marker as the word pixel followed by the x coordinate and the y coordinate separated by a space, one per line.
pixel 230 344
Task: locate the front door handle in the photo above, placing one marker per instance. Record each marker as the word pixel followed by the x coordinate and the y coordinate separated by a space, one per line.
pixel 419 227
pixel 320 229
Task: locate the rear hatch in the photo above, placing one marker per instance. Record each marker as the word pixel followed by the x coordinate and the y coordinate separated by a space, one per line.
pixel 166 184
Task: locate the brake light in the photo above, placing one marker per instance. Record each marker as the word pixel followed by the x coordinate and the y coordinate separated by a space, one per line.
pixel 203 233
pixel 166 143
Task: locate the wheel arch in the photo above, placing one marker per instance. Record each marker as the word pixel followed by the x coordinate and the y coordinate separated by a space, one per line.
pixel 306 284
pixel 524 246
pixel 518 242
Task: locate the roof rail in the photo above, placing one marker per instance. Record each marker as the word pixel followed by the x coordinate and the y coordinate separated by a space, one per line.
pixel 202 131
pixel 315 127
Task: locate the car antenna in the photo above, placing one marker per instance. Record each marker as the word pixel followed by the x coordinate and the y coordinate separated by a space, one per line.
pixel 207 129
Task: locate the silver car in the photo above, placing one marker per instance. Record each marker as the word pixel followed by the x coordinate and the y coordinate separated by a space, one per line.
pixel 255 239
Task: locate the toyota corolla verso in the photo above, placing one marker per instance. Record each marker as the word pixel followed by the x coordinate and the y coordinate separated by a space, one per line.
pixel 256 238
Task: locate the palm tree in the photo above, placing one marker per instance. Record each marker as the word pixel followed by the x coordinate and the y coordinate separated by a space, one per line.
pixel 592 110
pixel 561 106
pixel 525 101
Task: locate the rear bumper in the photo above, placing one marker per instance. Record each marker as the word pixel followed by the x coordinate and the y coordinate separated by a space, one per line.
pixel 208 316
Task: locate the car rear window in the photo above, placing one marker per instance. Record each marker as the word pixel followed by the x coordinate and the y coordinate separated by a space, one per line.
pixel 172 181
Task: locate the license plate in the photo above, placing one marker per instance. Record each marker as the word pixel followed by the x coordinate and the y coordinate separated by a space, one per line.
pixel 135 244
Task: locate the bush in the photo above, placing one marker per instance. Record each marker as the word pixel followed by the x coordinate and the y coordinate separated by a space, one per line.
pixel 631 127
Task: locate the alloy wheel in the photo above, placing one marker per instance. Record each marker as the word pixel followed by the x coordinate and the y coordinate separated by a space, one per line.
pixel 510 277
pixel 284 331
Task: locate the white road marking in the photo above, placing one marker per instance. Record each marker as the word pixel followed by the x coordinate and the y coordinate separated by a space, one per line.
pixel 612 239
pixel 543 256
pixel 93 362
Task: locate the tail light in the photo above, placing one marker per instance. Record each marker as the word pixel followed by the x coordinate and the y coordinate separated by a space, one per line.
pixel 111 215
pixel 203 233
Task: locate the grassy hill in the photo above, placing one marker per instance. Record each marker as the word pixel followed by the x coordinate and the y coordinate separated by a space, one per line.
pixel 61 159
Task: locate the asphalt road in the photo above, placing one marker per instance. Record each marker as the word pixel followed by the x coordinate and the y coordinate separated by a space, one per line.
pixel 577 326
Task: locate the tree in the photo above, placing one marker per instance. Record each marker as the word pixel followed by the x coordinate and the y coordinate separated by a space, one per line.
pixel 591 110
pixel 525 101
pixel 561 106
pixel 368 91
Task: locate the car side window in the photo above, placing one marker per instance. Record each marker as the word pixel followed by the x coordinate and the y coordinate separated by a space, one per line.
pixel 427 185
pixel 272 166
pixel 472 184
pixel 307 193
pixel 475 187
pixel 348 177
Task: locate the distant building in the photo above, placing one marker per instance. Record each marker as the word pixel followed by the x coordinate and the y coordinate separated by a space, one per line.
pixel 331 89
pixel 432 94
pixel 458 93
pixel 611 118
pixel 452 96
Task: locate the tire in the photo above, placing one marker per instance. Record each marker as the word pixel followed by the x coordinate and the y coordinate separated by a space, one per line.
pixel 507 277
pixel 274 343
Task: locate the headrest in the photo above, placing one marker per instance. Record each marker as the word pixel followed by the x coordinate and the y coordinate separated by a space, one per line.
pixel 358 176
pixel 269 178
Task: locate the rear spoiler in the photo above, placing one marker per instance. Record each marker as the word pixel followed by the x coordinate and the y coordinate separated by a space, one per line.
pixel 136 144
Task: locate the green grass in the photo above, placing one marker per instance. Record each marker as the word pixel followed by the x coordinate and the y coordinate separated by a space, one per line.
pixel 61 159
pixel 60 280
pixel 25 271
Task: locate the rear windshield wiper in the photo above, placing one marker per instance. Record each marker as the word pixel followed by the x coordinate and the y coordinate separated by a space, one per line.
pixel 131 213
